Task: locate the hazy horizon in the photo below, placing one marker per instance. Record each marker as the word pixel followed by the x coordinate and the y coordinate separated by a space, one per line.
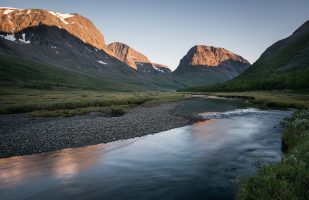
pixel 165 31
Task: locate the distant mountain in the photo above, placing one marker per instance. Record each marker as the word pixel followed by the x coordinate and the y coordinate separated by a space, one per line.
pixel 15 20
pixel 284 65
pixel 43 49
pixel 65 44
pixel 161 68
pixel 135 59
pixel 204 65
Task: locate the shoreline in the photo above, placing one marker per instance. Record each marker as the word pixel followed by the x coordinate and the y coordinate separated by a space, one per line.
pixel 24 135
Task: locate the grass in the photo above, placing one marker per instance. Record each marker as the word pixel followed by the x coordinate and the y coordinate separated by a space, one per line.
pixel 284 65
pixel 288 179
pixel 27 74
pixel 282 99
pixel 63 102
pixel 116 111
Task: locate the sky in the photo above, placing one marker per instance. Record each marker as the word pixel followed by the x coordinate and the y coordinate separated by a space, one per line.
pixel 165 30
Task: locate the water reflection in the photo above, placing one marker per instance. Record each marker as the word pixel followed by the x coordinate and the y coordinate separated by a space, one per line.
pixel 199 132
pixel 199 161
pixel 63 164
pixel 70 162
pixel 11 171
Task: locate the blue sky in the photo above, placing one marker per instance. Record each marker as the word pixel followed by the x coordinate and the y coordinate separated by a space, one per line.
pixel 164 30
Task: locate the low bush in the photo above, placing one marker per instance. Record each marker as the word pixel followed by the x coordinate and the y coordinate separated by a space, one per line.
pixel 288 179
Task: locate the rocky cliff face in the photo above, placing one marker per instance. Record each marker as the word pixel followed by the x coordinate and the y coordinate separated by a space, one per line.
pixel 209 56
pixel 135 59
pixel 71 43
pixel 15 20
pixel 207 65
pixel 53 38
pixel 127 54
pixel 62 44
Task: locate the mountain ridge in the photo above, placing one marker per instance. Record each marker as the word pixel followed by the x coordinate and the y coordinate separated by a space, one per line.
pixel 15 20
pixel 209 56
pixel 135 59
pixel 283 65
pixel 209 65
pixel 71 42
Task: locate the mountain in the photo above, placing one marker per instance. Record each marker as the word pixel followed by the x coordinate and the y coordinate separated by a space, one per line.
pixel 162 68
pixel 60 46
pixel 204 65
pixel 15 20
pixel 135 59
pixel 45 49
pixel 284 65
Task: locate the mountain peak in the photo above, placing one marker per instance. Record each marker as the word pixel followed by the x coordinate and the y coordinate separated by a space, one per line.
pixel 135 59
pixel 14 20
pixel 212 62
pixel 202 55
pixel 127 54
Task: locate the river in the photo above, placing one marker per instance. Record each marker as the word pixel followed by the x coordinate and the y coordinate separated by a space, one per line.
pixel 204 160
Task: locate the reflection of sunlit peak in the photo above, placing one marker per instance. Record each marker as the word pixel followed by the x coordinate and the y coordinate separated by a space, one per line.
pixel 69 162
pixel 13 172
pixel 205 122
pixel 65 166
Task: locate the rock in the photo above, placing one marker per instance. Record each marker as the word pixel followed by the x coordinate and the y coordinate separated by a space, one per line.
pixel 209 56
pixel 14 20
pixel 135 59
pixel 212 64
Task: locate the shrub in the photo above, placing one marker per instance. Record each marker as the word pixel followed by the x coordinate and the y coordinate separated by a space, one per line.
pixel 116 112
pixel 288 179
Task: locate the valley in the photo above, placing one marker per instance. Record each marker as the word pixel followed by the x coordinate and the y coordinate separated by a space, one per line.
pixel 67 50
pixel 87 115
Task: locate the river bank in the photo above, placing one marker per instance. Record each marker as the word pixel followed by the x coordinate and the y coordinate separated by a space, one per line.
pixel 203 160
pixel 289 178
pixel 22 134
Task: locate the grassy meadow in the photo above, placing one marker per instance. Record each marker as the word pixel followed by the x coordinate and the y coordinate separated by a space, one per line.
pixel 64 102
pixel 281 99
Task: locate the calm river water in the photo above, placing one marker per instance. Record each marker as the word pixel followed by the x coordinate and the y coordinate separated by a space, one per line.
pixel 200 161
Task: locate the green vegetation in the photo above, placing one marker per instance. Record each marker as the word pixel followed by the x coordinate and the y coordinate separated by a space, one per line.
pixel 294 79
pixel 116 111
pixel 288 179
pixel 290 99
pixel 284 65
pixel 31 75
pixel 64 102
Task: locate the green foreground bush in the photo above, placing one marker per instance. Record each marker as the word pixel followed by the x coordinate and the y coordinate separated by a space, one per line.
pixel 288 179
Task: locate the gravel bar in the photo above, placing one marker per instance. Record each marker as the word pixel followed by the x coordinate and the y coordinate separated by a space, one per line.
pixel 21 134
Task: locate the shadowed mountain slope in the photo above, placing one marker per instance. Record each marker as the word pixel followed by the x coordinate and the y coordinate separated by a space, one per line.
pixel 284 65
pixel 135 59
pixel 204 65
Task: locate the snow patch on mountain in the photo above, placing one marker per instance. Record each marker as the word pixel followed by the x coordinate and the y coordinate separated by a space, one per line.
pixel 61 16
pixel 89 50
pixel 8 10
pixel 24 39
pixel 10 37
pixel 101 62
pixel 158 69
